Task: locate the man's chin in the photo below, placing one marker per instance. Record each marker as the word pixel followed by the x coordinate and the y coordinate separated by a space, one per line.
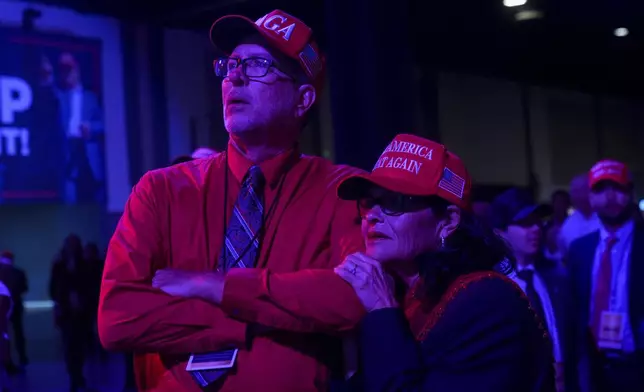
pixel 615 219
pixel 238 127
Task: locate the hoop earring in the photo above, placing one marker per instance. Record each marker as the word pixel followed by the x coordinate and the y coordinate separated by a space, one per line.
pixel 442 242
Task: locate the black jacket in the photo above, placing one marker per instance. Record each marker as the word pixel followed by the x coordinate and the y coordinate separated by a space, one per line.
pixel 487 339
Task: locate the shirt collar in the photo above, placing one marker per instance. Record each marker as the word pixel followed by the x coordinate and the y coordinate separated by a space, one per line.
pixel 272 168
pixel 621 234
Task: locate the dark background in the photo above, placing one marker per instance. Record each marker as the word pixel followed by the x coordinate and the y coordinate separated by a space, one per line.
pixel 571 46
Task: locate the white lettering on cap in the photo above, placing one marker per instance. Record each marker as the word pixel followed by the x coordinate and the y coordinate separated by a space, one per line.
pixel 610 166
pixel 278 24
pixel 408 164
pixel 410 148
pixel 607 170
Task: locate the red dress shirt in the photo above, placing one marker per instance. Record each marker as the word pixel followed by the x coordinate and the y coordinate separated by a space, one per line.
pixel 174 218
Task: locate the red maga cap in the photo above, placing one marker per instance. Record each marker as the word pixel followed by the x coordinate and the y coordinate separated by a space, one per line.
pixel 414 166
pixel 282 31
pixel 610 170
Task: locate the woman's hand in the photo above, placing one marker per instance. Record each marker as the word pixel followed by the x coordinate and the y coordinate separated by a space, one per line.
pixel 374 287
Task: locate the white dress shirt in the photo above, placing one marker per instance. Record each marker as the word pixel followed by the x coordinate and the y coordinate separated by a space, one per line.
pixel 75 112
pixel 576 226
pixel 620 257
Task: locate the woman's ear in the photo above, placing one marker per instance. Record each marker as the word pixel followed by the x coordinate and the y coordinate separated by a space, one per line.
pixel 450 222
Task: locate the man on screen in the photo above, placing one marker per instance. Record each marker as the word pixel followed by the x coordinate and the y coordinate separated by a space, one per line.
pixel 82 122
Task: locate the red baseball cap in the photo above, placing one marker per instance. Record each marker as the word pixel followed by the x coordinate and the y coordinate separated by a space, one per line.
pixel 610 170
pixel 414 166
pixel 282 31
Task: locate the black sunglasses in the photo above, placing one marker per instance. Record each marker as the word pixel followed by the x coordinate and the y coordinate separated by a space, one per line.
pixel 393 204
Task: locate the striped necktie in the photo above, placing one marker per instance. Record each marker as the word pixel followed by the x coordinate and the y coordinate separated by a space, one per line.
pixel 240 249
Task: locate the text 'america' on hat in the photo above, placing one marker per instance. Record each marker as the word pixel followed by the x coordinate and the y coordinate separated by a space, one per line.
pixel 415 166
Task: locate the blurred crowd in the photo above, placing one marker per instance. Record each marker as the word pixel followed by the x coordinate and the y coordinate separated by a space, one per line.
pixel 578 260
pixel 74 288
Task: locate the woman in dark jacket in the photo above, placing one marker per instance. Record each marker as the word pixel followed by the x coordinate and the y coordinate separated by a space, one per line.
pixel 72 288
pixel 439 317
pixel 5 351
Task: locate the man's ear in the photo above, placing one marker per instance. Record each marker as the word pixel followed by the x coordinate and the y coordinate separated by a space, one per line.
pixel 307 98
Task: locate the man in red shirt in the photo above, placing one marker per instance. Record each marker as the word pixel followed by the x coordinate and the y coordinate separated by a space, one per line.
pixel 261 214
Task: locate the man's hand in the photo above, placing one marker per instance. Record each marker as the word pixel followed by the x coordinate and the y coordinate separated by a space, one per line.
pixel 205 285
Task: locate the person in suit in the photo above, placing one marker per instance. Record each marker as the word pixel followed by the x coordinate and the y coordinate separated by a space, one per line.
pixel 439 318
pixel 81 119
pixel 519 220
pixel 6 306
pixel 606 269
pixel 72 290
pixel 16 280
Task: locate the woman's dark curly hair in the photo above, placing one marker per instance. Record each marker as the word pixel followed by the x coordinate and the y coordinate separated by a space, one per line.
pixel 472 247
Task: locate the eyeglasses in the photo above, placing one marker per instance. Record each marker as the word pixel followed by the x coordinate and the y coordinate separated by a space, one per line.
pixel 252 67
pixel 393 204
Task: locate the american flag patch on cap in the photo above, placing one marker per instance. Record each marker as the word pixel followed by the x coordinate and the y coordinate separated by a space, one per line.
pixel 311 60
pixel 452 183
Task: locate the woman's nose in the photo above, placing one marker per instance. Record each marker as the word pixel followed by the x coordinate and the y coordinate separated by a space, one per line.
pixel 374 214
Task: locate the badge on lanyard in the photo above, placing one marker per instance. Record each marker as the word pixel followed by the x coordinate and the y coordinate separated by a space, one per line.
pixel 611 330
pixel 212 361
